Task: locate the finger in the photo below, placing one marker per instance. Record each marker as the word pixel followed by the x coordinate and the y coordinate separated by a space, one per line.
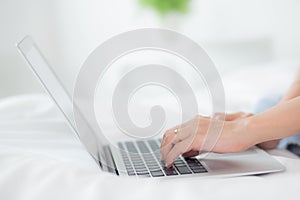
pixel 171 132
pixel 184 130
pixel 177 150
pixel 166 144
pixel 165 150
pixel 182 134
pixel 269 144
pixel 248 115
pixel 233 116
pixel 219 116
pixel 187 133
pixel 170 141
pixel 191 153
pixel 162 142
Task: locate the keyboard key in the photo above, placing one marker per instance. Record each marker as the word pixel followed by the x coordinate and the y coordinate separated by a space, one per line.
pixel 141 169
pixel 154 168
pixel 142 147
pixel 199 170
pixel 149 157
pixel 144 173
pixel 155 164
pixel 180 164
pixel 130 170
pixel 137 160
pixel 192 161
pixel 170 172
pixel 195 165
pixel 151 163
pixel 140 172
pixel 139 165
pixel 131 173
pixel 162 163
pixel 150 160
pixel 120 145
pixel 178 161
pixel 183 170
pixel 157 173
pixel 128 164
pixel 153 145
pixel 135 156
pixel 131 147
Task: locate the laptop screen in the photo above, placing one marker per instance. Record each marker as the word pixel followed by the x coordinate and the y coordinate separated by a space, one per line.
pixel 58 93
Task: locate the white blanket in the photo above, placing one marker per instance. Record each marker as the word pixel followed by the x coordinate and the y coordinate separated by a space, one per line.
pixel 41 159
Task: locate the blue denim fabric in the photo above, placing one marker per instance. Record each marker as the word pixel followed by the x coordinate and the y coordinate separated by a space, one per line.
pixel 267 103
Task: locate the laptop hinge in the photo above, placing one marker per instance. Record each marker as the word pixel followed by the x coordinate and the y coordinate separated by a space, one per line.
pixel 111 165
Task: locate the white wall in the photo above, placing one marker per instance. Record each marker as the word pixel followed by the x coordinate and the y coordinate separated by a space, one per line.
pixel 234 32
pixel 17 19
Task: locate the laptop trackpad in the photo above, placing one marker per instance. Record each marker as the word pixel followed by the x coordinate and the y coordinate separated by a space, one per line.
pixel 226 155
pixel 230 162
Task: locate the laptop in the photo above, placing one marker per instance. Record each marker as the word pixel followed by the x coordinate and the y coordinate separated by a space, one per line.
pixel 141 158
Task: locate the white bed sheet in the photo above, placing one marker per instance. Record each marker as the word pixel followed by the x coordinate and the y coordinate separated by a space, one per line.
pixel 41 159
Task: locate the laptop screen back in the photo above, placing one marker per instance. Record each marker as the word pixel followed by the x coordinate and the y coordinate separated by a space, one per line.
pixel 58 93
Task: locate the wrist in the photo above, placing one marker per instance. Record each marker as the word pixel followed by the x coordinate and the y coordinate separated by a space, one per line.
pixel 243 129
pixel 256 130
pixel 239 132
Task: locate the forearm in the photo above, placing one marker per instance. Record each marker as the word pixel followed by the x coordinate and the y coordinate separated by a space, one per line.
pixel 294 90
pixel 278 122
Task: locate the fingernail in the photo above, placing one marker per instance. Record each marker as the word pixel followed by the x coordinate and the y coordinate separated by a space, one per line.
pixel 168 165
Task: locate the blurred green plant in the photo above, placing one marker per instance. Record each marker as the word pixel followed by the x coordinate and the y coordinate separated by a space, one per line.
pixel 164 7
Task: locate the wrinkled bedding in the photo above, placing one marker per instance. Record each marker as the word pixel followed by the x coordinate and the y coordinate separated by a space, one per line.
pixel 40 158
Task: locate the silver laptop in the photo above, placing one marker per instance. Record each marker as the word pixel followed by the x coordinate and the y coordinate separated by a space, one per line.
pixel 141 158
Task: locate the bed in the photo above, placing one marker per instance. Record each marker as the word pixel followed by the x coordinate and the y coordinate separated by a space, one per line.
pixel 40 158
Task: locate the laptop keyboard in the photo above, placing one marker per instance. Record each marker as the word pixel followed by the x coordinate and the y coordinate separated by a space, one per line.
pixel 142 158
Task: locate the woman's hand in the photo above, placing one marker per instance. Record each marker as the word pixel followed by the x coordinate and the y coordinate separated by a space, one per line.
pixel 191 138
